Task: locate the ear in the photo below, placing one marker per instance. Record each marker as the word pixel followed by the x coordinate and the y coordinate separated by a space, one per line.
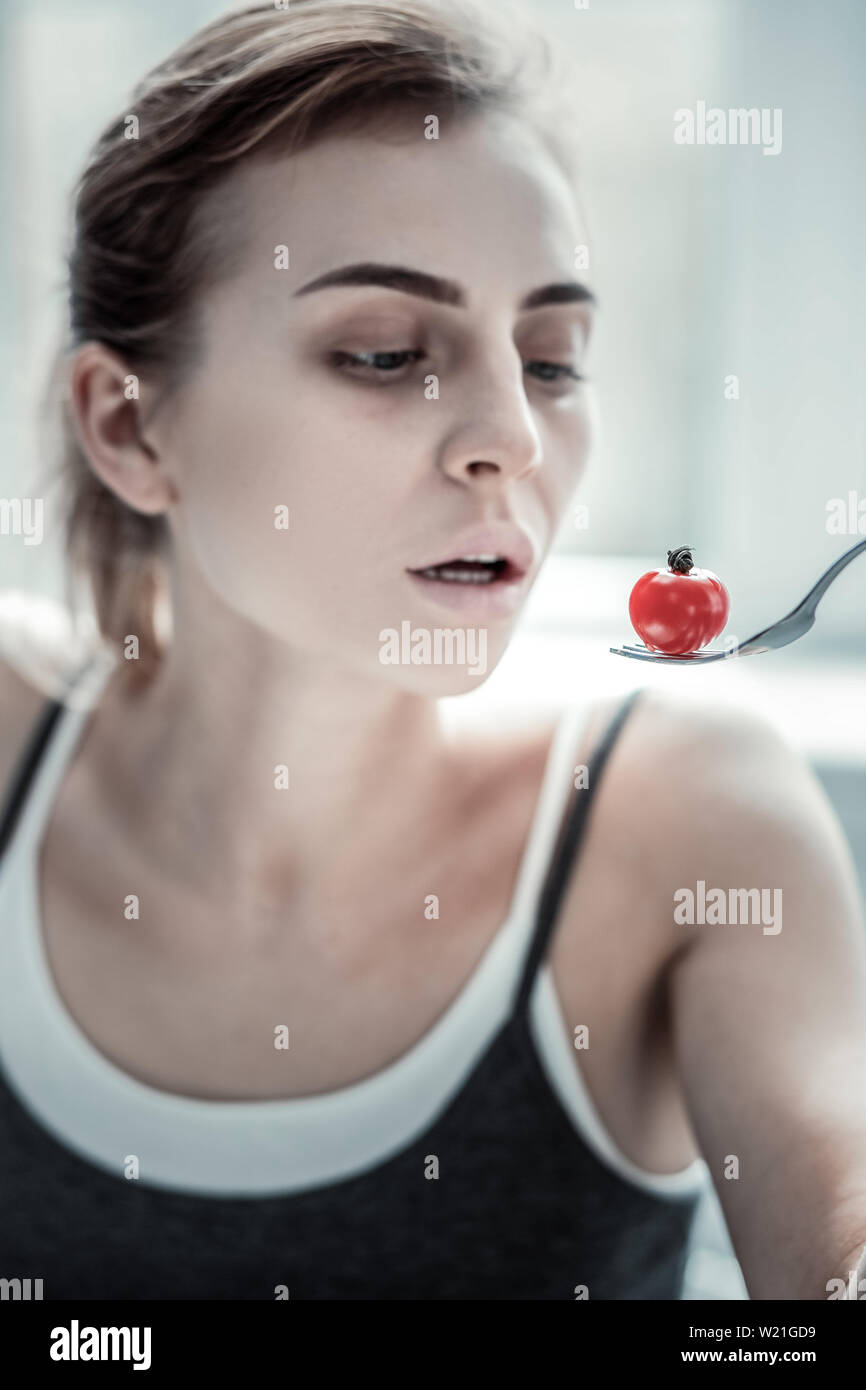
pixel 108 403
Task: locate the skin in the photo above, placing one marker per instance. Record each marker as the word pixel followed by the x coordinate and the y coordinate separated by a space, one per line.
pixel 714 1040
pixel 286 625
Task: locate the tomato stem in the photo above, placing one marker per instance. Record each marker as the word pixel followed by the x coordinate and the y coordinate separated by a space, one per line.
pixel 680 560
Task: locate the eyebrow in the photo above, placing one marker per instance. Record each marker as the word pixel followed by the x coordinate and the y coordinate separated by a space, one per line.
pixel 417 282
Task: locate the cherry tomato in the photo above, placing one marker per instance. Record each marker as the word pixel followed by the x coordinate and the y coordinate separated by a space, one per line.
pixel 678 609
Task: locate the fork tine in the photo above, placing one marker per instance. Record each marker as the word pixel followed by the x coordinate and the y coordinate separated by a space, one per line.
pixel 666 656
pixel 644 654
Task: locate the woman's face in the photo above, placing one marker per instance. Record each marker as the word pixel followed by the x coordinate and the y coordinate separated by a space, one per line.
pixel 389 422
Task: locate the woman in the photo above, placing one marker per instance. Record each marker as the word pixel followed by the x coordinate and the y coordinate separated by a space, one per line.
pixel 284 1013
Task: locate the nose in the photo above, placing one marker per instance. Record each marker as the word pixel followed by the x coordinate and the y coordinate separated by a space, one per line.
pixel 496 441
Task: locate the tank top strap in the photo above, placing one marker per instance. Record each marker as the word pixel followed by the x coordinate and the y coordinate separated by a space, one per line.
pixel 565 853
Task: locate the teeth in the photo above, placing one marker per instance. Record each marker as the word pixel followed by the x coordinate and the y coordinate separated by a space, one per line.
pixel 481 559
pixel 460 576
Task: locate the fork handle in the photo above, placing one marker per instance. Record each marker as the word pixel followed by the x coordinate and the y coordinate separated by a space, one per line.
pixel 817 592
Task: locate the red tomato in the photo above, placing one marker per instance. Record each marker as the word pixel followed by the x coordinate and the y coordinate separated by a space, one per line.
pixel 678 609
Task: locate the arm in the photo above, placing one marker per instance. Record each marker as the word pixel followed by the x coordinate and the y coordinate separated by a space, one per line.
pixel 769 1028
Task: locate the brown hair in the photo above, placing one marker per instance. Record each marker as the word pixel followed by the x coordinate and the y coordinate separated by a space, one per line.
pixel 261 81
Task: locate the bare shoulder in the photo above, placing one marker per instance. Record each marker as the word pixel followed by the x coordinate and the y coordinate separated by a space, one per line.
pixel 690 754
pixel 700 756
pixel 686 770
pixel 37 656
pixel 710 790
pixel 19 705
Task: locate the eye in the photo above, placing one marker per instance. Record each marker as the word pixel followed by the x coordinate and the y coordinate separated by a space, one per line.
pixel 554 371
pixel 382 364
pixel 377 363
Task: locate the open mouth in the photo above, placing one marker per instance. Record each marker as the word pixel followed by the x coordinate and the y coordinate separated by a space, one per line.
pixel 473 569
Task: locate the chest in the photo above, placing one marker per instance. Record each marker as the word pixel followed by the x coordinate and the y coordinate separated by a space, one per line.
pixel 324 994
pixel 189 999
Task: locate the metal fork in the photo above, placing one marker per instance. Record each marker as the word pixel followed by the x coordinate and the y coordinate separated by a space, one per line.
pixel 796 624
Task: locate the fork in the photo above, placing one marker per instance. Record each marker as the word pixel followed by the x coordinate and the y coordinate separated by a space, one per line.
pixel 780 634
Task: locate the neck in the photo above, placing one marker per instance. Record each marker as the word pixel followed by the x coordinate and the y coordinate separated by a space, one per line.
pixel 253 764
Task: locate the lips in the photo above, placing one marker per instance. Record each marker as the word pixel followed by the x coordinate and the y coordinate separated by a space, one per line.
pixel 489 554
pixel 483 572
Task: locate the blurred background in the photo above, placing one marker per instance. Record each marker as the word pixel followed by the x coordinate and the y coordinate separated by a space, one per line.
pixel 729 357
